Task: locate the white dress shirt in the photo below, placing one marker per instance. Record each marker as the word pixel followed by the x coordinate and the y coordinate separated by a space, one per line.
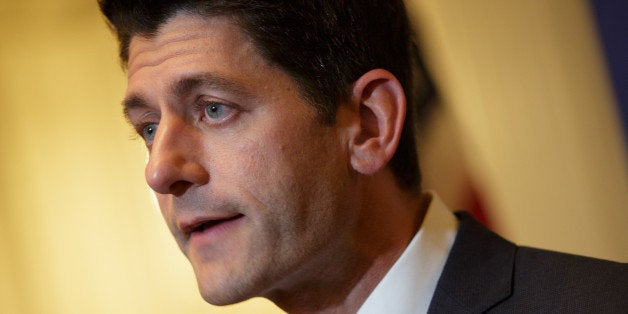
pixel 410 283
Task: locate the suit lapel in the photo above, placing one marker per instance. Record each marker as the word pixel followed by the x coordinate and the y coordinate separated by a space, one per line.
pixel 478 272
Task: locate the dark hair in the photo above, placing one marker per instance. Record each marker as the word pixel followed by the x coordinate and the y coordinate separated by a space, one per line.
pixel 324 45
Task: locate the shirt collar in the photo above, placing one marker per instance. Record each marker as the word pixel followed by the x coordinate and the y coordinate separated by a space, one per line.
pixel 410 283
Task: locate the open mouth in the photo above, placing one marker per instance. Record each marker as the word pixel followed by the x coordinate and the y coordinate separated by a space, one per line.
pixel 209 224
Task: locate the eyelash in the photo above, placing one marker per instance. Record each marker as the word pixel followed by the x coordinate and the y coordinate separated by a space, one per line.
pixel 139 130
pixel 201 107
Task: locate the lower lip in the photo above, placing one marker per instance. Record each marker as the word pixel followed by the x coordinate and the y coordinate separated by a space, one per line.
pixel 215 233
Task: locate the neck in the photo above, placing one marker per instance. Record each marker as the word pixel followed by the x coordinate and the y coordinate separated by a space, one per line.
pixel 340 281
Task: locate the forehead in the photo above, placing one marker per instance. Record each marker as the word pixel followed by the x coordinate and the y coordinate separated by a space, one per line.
pixel 187 35
pixel 193 55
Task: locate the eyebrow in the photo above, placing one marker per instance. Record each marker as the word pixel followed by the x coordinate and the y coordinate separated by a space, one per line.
pixel 130 102
pixel 185 85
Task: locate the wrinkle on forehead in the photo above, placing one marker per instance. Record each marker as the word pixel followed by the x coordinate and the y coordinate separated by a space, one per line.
pixel 157 59
pixel 180 35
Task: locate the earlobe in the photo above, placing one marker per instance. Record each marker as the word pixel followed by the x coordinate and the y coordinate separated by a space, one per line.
pixel 382 107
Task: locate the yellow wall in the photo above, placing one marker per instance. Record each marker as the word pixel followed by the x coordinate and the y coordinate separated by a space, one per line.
pixel 525 88
pixel 79 232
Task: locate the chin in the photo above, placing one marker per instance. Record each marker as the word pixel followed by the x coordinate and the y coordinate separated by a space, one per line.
pixel 221 299
pixel 223 289
pixel 217 295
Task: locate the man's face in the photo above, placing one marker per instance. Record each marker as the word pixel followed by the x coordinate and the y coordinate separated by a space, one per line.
pixel 252 186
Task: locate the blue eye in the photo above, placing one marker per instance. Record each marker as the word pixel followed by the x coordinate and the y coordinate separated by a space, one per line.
pixel 148 132
pixel 214 110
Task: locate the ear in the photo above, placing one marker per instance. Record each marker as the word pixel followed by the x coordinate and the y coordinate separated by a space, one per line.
pixel 381 104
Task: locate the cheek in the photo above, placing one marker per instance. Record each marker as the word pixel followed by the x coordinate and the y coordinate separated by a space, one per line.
pixel 164 202
pixel 260 160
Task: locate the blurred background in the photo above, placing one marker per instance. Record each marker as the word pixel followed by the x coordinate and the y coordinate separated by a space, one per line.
pixel 527 135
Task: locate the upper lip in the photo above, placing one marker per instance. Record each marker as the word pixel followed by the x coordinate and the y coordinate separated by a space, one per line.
pixel 191 225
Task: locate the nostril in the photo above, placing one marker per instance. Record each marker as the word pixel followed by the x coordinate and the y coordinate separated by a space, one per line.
pixel 160 176
pixel 179 187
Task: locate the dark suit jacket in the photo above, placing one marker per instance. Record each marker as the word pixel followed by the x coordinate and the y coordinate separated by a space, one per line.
pixel 486 273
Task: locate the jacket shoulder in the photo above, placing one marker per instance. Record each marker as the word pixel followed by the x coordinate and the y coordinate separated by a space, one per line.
pixel 546 281
pixel 486 273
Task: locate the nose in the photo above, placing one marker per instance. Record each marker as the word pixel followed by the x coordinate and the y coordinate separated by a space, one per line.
pixel 175 162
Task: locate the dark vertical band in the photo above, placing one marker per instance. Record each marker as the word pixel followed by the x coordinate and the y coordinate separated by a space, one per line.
pixel 612 24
